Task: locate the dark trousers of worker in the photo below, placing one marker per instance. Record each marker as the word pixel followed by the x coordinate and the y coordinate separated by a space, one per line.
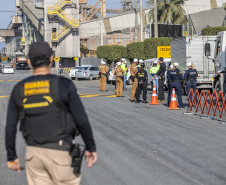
pixel 161 95
pixel 177 87
pixel 49 167
pixel 139 89
pixel 169 98
pixel 103 83
pixel 134 89
pixel 189 86
pixel 119 87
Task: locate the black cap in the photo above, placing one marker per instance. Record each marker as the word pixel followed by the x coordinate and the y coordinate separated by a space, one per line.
pixel 40 48
pixel 161 59
pixel 39 54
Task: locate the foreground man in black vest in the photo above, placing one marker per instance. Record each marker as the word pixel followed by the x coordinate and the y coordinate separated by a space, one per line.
pixel 50 111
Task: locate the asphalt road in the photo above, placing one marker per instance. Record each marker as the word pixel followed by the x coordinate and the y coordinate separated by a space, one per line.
pixel 138 144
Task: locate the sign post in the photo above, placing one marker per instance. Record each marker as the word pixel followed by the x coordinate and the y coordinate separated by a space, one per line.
pixel 164 51
pixel 56 59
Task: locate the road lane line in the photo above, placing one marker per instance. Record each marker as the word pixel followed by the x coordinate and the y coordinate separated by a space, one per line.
pixel 6 96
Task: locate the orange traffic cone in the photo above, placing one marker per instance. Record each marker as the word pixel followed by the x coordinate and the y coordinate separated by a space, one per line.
pixel 154 100
pixel 173 102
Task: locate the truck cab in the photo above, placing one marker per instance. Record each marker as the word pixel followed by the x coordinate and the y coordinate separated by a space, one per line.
pixel 219 61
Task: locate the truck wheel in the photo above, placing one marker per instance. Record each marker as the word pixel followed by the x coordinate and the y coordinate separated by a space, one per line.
pixel 72 78
pixel 113 83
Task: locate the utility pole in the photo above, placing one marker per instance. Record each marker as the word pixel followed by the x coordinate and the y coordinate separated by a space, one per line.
pixel 136 9
pixel 101 27
pixel 141 21
pixel 155 19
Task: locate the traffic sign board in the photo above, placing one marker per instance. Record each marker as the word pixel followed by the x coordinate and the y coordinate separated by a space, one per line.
pixel 56 59
pixel 75 58
pixel 164 51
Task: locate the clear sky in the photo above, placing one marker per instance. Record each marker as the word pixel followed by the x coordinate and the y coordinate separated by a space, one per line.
pixel 7 9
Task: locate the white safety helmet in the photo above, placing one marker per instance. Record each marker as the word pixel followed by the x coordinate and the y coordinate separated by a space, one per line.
pixel 135 60
pixel 103 62
pixel 119 63
pixel 123 59
pixel 155 62
pixel 125 62
pixel 171 66
pixel 176 64
pixel 189 64
pixel 141 61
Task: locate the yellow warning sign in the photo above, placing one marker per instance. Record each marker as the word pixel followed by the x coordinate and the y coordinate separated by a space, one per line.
pixel 164 51
pixel 75 58
pixel 56 59
pixel 185 33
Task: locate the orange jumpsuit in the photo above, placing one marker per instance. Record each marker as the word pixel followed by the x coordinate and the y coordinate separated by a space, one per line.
pixel 133 72
pixel 119 75
pixel 103 76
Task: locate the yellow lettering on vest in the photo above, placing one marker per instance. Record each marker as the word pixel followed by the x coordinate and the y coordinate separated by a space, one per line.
pixel 36 88
pixel 36 105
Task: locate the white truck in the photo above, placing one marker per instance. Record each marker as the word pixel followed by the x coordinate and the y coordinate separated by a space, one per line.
pixel 219 60
pixel 192 49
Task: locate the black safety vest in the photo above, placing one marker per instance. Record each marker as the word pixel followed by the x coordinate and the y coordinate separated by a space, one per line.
pixel 43 116
pixel 191 74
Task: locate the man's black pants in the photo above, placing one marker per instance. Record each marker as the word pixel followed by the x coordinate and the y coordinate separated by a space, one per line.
pixel 139 89
pixel 161 95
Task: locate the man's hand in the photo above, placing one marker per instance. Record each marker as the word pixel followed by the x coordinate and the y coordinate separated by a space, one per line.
pixel 14 165
pixel 91 158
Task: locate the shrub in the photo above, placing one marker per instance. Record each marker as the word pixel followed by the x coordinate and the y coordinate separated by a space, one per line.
pixel 213 30
pixel 150 45
pixel 136 50
pixel 111 53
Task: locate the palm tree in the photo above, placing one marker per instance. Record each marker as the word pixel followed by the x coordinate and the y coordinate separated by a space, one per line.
pixel 169 11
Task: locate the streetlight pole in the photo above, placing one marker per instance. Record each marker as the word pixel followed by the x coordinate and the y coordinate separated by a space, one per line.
pixel 141 21
pixel 155 19
pixel 101 28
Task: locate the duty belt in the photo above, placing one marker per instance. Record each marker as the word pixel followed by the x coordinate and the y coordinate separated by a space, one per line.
pixel 60 145
pixel 175 80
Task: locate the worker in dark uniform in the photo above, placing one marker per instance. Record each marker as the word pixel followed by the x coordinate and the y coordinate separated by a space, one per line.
pixel 50 114
pixel 190 77
pixel 142 84
pixel 171 67
pixel 161 75
pixel 175 77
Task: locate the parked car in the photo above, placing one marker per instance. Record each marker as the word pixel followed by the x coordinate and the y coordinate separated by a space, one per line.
pixel 111 79
pixel 8 70
pixel 75 69
pixel 1 67
pixel 89 72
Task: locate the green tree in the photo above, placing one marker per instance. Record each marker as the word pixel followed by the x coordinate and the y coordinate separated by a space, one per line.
pixel 169 11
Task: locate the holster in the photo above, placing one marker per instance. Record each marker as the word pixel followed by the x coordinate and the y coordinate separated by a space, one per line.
pixel 77 153
pixel 132 78
pixel 103 74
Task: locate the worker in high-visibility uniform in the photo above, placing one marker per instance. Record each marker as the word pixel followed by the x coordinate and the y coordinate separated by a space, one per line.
pixel 139 64
pixel 154 69
pixel 103 76
pixel 119 80
pixel 124 68
pixel 133 72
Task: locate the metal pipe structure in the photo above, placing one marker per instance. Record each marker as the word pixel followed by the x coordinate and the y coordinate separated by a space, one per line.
pixel 141 21
pixel 155 19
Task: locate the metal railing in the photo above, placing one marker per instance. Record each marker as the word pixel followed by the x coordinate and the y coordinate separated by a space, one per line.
pixel 60 33
pixel 60 3
pixel 73 22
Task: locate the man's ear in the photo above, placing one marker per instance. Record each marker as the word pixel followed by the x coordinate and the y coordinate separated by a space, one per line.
pixel 51 60
pixel 29 62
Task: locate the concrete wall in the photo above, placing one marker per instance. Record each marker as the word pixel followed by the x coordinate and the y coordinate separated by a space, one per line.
pixel 67 47
pixel 195 6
